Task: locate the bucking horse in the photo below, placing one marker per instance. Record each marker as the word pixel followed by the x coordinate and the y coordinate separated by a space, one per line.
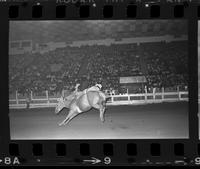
pixel 83 102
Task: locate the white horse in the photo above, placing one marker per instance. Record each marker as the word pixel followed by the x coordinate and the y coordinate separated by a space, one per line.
pixel 82 103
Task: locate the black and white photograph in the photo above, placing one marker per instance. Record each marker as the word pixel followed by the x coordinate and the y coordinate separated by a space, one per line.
pixel 98 79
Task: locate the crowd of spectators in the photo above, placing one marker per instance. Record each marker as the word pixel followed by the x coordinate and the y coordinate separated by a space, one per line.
pixel 166 64
pixel 163 64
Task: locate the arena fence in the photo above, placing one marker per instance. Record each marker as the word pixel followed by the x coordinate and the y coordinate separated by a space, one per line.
pixel 126 99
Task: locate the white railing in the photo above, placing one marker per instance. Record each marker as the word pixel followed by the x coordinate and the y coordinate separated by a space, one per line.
pixel 126 99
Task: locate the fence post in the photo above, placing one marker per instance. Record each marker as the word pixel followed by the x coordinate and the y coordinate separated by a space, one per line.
pixel 163 91
pixel 47 96
pixel 154 90
pixel 179 95
pixel 178 91
pixel 31 95
pixel 16 96
pixel 145 94
pixel 129 99
pixel 112 99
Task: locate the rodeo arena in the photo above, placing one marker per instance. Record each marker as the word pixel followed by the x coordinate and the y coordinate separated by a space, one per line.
pixel 98 79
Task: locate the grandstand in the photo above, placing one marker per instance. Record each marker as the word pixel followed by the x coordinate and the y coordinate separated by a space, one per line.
pixel 64 67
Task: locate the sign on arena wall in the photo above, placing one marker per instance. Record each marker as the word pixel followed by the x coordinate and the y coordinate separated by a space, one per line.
pixel 133 79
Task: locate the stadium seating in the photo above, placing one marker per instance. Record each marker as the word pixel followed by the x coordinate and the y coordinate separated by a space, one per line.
pixel 163 64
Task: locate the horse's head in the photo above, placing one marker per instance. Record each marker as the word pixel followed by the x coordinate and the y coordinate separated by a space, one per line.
pixel 60 105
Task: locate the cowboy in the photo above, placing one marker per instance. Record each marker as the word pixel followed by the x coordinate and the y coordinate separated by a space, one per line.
pixel 96 87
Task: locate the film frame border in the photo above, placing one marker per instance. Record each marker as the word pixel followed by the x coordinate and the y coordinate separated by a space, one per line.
pixel 118 153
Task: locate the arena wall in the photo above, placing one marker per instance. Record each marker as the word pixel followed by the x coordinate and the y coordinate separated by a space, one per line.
pixel 127 99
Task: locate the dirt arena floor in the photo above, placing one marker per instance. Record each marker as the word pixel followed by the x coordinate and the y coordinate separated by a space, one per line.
pixel 153 121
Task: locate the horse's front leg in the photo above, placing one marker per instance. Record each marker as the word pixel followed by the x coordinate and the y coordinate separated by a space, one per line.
pixel 64 121
pixel 70 116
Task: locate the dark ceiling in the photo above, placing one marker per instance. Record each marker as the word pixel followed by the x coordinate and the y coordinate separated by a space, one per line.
pixel 68 31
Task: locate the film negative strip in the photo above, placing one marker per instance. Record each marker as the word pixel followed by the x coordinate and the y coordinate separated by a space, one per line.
pixel 99 82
